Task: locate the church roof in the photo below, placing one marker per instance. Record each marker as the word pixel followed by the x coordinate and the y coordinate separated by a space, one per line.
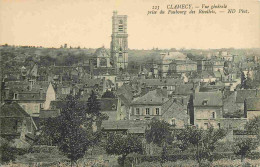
pixel 101 52
pixel 174 56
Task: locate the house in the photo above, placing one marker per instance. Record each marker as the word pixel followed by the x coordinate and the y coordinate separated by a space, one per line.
pixel 253 107
pixel 208 109
pixel 148 106
pixel 168 84
pixel 167 59
pixel 125 126
pixel 182 66
pixel 111 107
pixel 31 97
pixel 242 95
pixel 16 124
pixel 174 111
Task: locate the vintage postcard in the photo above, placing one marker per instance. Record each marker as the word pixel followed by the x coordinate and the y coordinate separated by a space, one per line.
pixel 133 83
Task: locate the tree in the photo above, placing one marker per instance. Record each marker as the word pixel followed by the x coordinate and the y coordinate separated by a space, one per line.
pixel 8 152
pixel 93 106
pixel 118 144
pixel 253 126
pixel 108 94
pixel 204 141
pixel 48 133
pixel 73 129
pixel 159 133
pixel 243 147
pixel 243 80
pixel 191 109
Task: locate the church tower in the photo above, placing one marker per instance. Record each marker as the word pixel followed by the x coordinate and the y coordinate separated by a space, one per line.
pixel 119 42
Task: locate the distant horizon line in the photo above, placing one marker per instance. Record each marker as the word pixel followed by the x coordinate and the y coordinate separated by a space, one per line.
pixel 153 48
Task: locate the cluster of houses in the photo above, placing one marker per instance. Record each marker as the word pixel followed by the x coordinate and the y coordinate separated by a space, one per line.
pixel 183 92
pixel 180 89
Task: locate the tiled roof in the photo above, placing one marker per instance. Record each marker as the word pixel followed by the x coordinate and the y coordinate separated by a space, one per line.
pixel 108 104
pixel 12 109
pixel 93 82
pixel 132 126
pixel 152 97
pixel 174 56
pixel 31 96
pixel 49 113
pixel 175 109
pixel 184 89
pixel 161 82
pixel 208 99
pixel 125 91
pixel 246 93
pixel 253 104
pixel 101 52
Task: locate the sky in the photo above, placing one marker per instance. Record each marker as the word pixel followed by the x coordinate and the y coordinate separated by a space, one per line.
pixel 88 23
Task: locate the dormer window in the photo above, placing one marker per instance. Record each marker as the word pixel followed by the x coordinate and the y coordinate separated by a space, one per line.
pixel 113 107
pixel 205 102
pixel 15 96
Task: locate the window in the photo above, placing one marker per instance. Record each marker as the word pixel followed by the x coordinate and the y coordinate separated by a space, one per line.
pixel 15 96
pixel 219 125
pixel 120 28
pixel 120 54
pixel 173 122
pixel 206 125
pixel 205 102
pixel 15 125
pixel 157 111
pixel 36 108
pixel 147 111
pixel 213 115
pixel 113 107
pixel 137 111
pixel 41 105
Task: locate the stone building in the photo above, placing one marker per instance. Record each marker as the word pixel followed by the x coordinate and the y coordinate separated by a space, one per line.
pixel 119 42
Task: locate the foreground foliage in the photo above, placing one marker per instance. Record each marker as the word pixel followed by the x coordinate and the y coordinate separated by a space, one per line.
pixel 119 144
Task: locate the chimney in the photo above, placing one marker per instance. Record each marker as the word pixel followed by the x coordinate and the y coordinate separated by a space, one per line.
pixel 41 93
pixel 31 84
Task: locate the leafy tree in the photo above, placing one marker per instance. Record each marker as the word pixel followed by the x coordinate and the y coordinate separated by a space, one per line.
pixel 191 109
pixel 73 129
pixel 204 141
pixel 253 126
pixel 159 133
pixel 244 147
pixel 9 153
pixel 93 106
pixel 48 133
pixel 118 144
pixel 108 94
pixel 243 80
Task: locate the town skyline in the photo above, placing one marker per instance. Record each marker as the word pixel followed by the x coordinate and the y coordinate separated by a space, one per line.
pixel 89 25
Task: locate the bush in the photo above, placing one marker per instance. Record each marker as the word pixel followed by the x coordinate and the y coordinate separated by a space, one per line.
pixel 9 153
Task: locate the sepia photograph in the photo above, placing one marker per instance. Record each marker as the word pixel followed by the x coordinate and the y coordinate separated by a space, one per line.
pixel 130 83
